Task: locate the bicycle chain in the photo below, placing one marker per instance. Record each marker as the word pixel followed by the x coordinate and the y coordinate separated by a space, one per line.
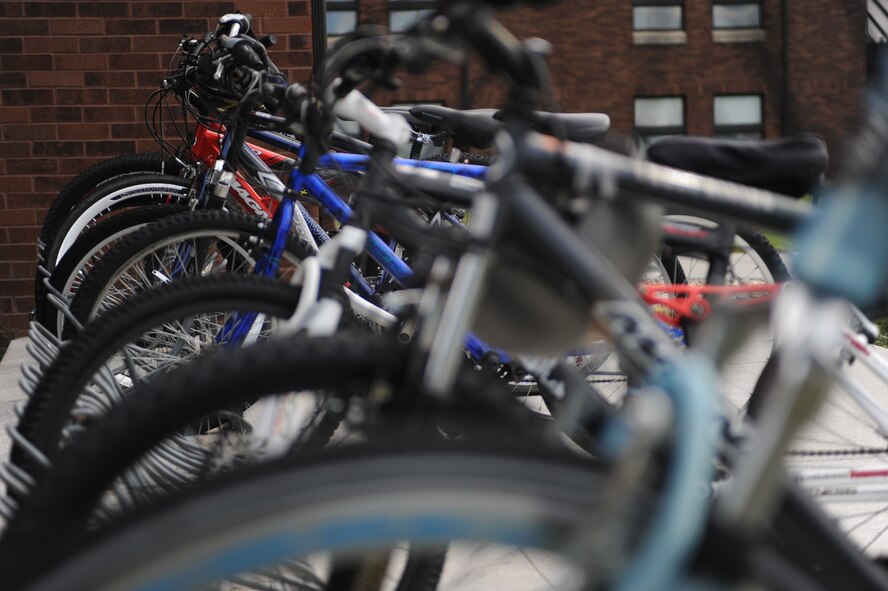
pixel 837 452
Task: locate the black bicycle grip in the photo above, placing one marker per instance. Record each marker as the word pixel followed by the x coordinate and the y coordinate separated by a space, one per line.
pixel 244 55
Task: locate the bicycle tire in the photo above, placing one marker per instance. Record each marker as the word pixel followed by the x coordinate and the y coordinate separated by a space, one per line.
pixel 94 178
pixel 128 191
pixel 155 188
pixel 340 361
pixel 50 405
pixel 86 251
pixel 554 494
pixel 246 232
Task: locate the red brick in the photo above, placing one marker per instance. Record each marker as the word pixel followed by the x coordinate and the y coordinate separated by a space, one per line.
pixel 48 186
pixel 25 234
pixel 13 80
pixel 142 26
pixel 133 96
pixel 259 8
pixel 156 9
pixel 109 79
pixel 24 304
pixel 13 114
pixel 164 44
pixel 55 79
pixel 134 61
pixel 86 96
pixel 78 26
pixel 299 41
pixel 146 145
pixel 66 114
pixel 18 62
pixel 24 270
pixel 110 148
pixel 11 9
pixel 34 200
pixel 181 26
pixel 5 303
pixel 18 217
pixel 18 287
pixel 214 10
pixel 11 45
pixel 287 24
pixel 148 80
pixel 105 44
pixel 58 148
pixel 108 114
pixel 83 131
pixel 74 166
pixel 31 26
pixel 34 165
pixel 18 183
pixel 83 61
pixel 128 130
pixel 300 8
pixel 29 131
pixel 50 9
pixel 50 44
pixel 16 323
pixel 108 10
pixel 26 97
pixel 15 252
pixel 15 149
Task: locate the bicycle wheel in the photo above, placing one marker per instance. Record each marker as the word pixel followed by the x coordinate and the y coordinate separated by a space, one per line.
pixel 752 261
pixel 192 244
pixel 333 365
pixel 505 514
pixel 87 250
pixel 92 179
pixel 123 192
pixel 128 191
pixel 147 336
pixel 840 457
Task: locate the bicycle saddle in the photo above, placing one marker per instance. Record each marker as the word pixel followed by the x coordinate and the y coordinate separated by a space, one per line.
pixel 576 127
pixel 475 127
pixel 791 166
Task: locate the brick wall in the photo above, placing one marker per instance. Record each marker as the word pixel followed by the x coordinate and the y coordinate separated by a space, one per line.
pixel 74 77
pixel 596 66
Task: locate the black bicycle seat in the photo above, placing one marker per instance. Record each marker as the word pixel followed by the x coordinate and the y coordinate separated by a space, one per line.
pixel 474 127
pixel 576 127
pixel 791 166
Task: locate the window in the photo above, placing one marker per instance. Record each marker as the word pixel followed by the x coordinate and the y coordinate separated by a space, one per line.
pixel 342 17
pixel 657 15
pixel 738 116
pixel 736 14
pixel 404 13
pixel 660 116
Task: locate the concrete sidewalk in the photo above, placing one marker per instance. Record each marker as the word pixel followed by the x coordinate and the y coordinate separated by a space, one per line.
pixel 10 392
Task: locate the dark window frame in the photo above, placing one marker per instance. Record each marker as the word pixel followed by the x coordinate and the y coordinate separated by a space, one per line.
pixel 344 6
pixel 745 128
pixel 407 5
pixel 665 3
pixel 670 130
pixel 761 14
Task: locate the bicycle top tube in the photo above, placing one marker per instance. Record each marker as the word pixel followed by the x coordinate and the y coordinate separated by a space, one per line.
pixel 358 162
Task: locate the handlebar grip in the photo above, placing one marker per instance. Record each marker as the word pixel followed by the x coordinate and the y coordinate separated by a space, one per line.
pixel 244 55
pixel 240 23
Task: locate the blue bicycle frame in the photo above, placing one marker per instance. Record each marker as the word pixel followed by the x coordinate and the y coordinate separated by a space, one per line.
pixel 381 252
